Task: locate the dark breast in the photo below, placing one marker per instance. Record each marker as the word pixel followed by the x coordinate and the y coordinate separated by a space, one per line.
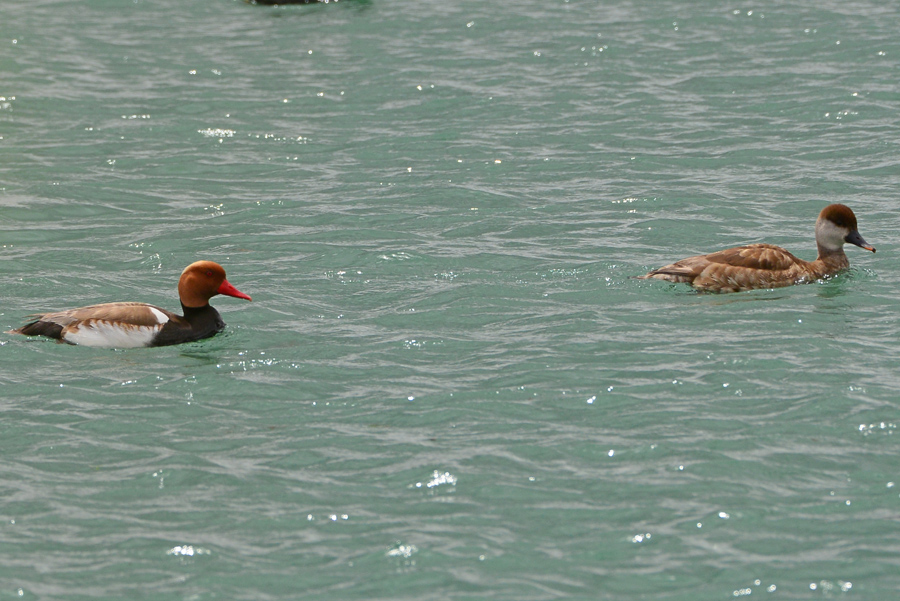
pixel 197 324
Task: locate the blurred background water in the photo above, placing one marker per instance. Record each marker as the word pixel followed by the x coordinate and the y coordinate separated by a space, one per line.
pixel 448 386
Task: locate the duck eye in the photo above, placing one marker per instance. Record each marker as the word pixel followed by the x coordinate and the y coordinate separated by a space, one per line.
pixel 209 272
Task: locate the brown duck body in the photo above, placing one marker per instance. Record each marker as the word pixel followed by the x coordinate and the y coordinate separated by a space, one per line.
pixel 768 266
pixel 129 324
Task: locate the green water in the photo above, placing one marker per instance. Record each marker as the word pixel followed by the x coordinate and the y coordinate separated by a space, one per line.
pixel 448 385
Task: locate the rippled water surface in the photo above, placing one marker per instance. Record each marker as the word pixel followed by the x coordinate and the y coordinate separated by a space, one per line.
pixel 448 385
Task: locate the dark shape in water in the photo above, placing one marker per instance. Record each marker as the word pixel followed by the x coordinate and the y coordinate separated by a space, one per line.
pixel 278 2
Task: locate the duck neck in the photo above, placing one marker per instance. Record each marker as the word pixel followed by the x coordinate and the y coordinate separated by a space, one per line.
pixel 831 261
pixel 191 313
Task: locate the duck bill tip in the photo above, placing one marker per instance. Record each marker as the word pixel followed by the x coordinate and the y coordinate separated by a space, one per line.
pixel 855 239
pixel 228 290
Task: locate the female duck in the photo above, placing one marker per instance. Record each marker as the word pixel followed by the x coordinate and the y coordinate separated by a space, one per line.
pixel 768 266
pixel 127 325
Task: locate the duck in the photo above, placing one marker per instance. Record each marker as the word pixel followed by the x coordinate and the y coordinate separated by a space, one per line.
pixel 132 324
pixel 768 266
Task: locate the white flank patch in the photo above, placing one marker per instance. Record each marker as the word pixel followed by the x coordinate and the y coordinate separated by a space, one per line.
pixel 161 317
pixel 114 335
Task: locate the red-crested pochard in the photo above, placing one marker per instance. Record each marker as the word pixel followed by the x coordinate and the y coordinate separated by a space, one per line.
pixel 768 266
pixel 129 325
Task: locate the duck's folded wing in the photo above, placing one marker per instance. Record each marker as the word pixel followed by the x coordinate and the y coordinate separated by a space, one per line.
pixel 755 256
pixel 134 314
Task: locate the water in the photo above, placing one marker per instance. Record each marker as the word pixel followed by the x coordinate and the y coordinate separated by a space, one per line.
pixel 448 385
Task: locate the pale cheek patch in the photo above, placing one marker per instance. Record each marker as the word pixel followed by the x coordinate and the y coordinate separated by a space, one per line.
pixel 111 335
pixel 831 236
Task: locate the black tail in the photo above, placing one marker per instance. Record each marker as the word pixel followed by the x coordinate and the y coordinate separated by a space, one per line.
pixel 40 328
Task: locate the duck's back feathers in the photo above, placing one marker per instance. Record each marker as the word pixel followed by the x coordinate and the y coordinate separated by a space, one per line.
pixel 755 256
pixel 136 314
